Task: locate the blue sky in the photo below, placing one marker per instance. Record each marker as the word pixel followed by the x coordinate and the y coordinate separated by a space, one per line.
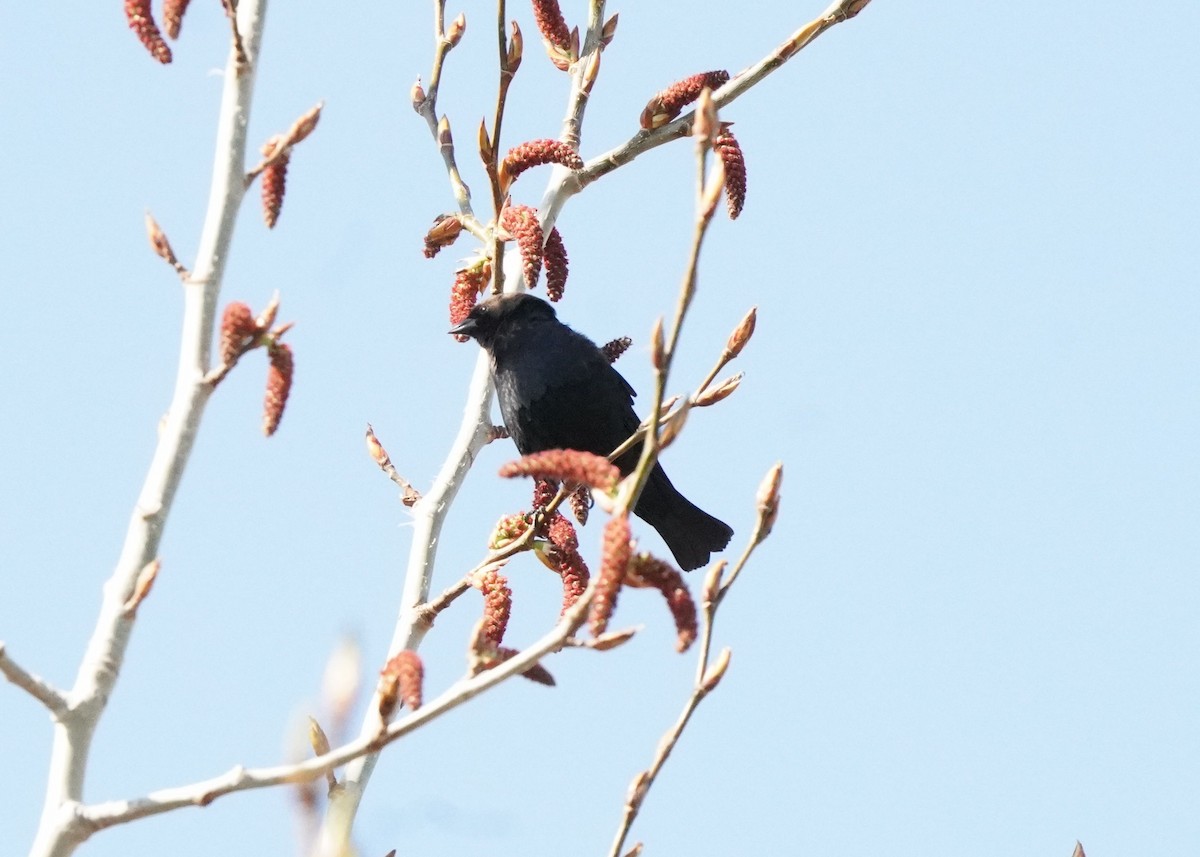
pixel 971 235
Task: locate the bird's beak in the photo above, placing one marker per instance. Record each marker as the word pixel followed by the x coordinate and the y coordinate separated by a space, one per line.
pixel 466 327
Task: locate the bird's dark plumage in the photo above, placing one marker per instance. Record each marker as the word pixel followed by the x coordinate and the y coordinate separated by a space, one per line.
pixel 558 391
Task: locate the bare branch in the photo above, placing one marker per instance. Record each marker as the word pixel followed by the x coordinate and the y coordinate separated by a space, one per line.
pixel 34 685
pixel 99 816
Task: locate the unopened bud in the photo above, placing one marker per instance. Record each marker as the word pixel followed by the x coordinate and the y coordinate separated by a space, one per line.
pixel 516 48
pixel 305 125
pixel 712 584
pixel 445 138
pixel 741 334
pixel 608 32
pixel 657 347
pixel 610 641
pixel 713 676
pixel 417 94
pixel 158 241
pixel 767 501
pixel 375 448
pixel 672 427
pixel 457 27
pixel 486 152
pixel 142 586
pixel 590 72
pixel 317 737
pixel 444 232
pixel 715 394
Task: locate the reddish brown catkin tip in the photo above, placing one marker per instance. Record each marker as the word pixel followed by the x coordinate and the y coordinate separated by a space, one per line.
pixel 614 561
pixel 141 21
pixel 238 326
pixel 273 183
pixel 544 491
pixel 581 504
pixel 497 605
pixel 173 11
pixel 533 154
pixel 444 232
pixel 668 104
pixel 551 24
pixel 565 465
pixel 614 348
pixel 556 265
pixel 568 561
pixel 401 679
pixel 645 570
pixel 468 283
pixel 521 222
pixel 562 44
pixel 730 152
pixel 279 385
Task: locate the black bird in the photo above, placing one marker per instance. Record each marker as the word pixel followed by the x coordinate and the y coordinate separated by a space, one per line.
pixel 557 390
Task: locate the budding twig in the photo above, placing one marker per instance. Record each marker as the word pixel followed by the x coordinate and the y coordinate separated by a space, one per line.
pixel 409 495
pixel 426 107
pixel 708 675
pixel 162 247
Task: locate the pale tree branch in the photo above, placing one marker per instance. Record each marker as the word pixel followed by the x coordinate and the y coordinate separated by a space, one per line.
pixel 61 829
pixel 98 816
pixel 34 685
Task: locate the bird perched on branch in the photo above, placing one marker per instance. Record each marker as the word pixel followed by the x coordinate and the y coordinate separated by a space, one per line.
pixel 557 390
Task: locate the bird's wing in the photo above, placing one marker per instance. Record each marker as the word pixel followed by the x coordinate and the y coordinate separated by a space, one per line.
pixel 565 394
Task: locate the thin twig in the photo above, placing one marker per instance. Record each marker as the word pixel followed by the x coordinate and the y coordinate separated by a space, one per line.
pixel 427 108
pixel 493 163
pixel 36 686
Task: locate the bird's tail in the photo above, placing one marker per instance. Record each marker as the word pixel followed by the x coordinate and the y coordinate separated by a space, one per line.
pixel 691 533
